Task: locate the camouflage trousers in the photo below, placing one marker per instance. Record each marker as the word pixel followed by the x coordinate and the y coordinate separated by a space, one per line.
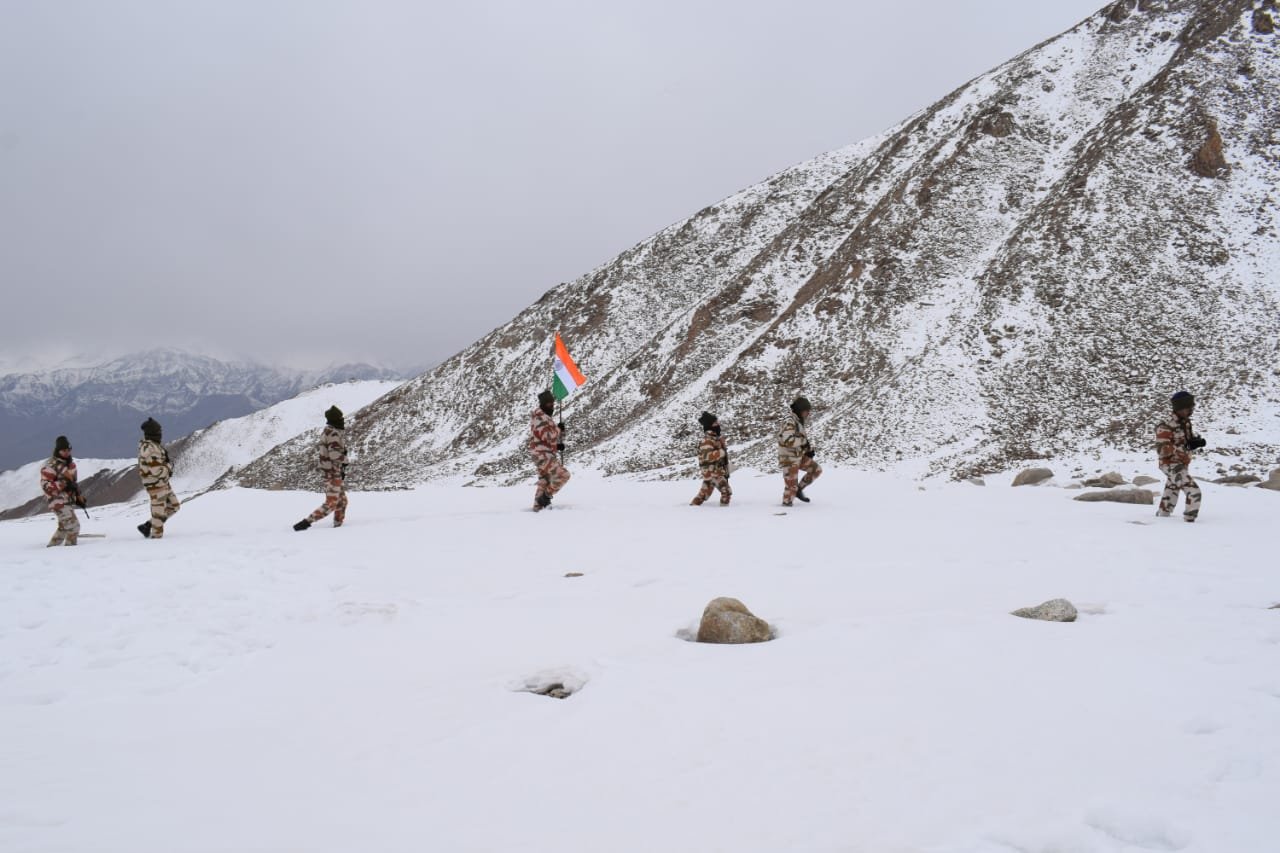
pixel 1179 479
pixel 790 478
pixel 164 503
pixel 711 481
pixel 551 474
pixel 335 501
pixel 68 531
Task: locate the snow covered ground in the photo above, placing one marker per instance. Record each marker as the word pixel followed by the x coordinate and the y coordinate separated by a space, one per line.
pixel 241 687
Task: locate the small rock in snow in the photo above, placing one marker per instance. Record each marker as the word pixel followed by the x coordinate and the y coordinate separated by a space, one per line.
pixel 1054 610
pixel 1120 496
pixel 1032 476
pixel 727 620
pixel 1237 480
pixel 1106 481
pixel 1144 480
pixel 1273 482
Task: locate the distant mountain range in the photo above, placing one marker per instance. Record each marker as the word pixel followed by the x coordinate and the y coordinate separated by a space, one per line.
pixel 100 407
pixel 200 458
pixel 1026 269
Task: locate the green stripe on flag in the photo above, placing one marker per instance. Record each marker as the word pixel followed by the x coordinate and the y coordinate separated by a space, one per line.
pixel 558 389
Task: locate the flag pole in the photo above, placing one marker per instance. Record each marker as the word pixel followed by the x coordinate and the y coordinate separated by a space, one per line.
pixel 559 402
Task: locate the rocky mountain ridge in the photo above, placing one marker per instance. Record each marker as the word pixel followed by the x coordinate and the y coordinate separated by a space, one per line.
pixel 1026 269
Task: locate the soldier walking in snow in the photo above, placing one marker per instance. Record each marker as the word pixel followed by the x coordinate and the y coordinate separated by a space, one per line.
pixel 1174 442
pixel 62 491
pixel 795 453
pixel 332 463
pixel 713 459
pixel 156 469
pixel 545 441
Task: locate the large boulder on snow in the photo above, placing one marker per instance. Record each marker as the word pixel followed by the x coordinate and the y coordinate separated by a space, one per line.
pixel 727 620
pixel 1032 476
pixel 1120 496
pixel 1054 610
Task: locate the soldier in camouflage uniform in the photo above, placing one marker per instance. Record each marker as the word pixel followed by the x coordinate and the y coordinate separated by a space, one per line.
pixel 546 440
pixel 332 463
pixel 1174 442
pixel 62 491
pixel 155 469
pixel 795 453
pixel 713 459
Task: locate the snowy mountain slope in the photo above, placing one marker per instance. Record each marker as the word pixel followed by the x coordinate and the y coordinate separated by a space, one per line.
pixel 241 687
pixel 1026 269
pixel 200 458
pixel 100 406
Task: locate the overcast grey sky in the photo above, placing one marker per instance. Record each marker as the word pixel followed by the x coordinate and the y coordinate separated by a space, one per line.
pixel 310 181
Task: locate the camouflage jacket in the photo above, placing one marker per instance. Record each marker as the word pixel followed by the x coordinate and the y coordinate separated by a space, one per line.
pixel 713 455
pixel 792 441
pixel 333 452
pixel 544 434
pixel 58 481
pixel 153 464
pixel 1172 435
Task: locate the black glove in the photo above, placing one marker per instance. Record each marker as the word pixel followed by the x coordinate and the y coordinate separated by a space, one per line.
pixel 1196 442
pixel 562 426
pixel 559 445
pixel 344 471
pixel 809 453
pixel 80 501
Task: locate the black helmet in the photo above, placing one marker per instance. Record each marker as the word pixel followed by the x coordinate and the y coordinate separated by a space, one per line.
pixel 1182 400
pixel 801 404
pixel 546 398
pixel 333 417
pixel 151 429
pixel 707 419
pixel 60 444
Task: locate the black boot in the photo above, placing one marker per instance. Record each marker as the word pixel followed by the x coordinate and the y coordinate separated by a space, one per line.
pixel 542 501
pixel 800 496
pixel 302 525
pixel 145 529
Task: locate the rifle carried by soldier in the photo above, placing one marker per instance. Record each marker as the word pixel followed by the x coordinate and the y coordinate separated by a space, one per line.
pixel 77 497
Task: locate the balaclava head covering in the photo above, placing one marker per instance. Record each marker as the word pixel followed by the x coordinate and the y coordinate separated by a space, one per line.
pixel 151 429
pixel 707 419
pixel 801 406
pixel 547 402
pixel 333 417
pixel 60 444
pixel 1182 400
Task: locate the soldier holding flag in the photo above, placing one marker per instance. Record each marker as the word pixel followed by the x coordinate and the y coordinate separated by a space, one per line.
pixel 546 440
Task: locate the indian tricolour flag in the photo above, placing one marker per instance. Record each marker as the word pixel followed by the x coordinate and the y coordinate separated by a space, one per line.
pixel 568 378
